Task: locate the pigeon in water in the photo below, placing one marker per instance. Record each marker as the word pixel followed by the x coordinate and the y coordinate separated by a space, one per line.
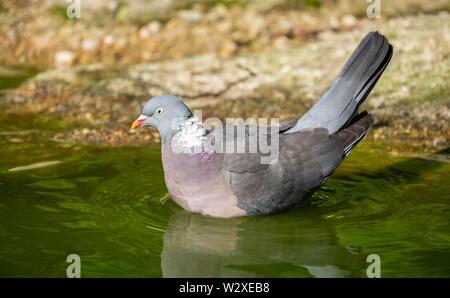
pixel 221 183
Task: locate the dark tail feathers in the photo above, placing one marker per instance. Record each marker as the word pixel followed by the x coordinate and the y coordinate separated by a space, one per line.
pixel 350 136
pixel 340 103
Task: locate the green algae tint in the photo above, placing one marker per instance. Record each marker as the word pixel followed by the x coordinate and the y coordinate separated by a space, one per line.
pixel 107 205
pixel 13 76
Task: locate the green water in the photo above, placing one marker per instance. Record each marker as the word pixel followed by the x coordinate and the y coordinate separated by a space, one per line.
pixel 107 205
pixel 13 76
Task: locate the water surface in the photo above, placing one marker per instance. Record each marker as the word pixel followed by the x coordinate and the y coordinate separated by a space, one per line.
pixel 108 206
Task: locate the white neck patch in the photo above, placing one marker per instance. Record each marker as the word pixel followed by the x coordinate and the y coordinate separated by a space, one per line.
pixel 192 134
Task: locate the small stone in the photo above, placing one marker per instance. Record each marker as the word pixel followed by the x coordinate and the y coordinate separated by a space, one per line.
pixel 154 26
pixel 348 20
pixel 439 141
pixel 108 40
pixel 64 58
pixel 190 15
pixel 144 32
pixel 89 44
pixel 149 29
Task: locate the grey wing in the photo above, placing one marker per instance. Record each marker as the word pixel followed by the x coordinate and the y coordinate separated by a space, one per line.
pixel 305 160
pixel 239 145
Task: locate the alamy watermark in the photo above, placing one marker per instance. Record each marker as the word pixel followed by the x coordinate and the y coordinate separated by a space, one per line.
pixel 237 135
pixel 373 9
pixel 74 269
pixel 374 269
pixel 73 10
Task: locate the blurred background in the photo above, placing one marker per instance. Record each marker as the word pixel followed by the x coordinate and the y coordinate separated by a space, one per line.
pixel 83 69
pixel 74 179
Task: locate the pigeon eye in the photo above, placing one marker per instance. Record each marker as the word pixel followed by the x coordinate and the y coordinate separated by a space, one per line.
pixel 159 111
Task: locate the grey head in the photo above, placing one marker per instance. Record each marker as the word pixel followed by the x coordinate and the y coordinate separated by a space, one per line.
pixel 163 112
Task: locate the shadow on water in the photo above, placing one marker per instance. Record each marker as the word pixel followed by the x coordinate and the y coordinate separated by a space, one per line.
pixel 407 170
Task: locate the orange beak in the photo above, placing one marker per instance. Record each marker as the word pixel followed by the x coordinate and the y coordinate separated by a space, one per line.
pixel 139 121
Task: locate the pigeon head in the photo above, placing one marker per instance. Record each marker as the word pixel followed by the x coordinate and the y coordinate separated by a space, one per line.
pixel 163 112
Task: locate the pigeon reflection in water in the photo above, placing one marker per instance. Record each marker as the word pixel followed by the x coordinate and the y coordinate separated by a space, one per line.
pixel 199 246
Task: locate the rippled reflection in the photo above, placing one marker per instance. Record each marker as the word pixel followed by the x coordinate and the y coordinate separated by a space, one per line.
pixel 295 244
pixel 105 204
